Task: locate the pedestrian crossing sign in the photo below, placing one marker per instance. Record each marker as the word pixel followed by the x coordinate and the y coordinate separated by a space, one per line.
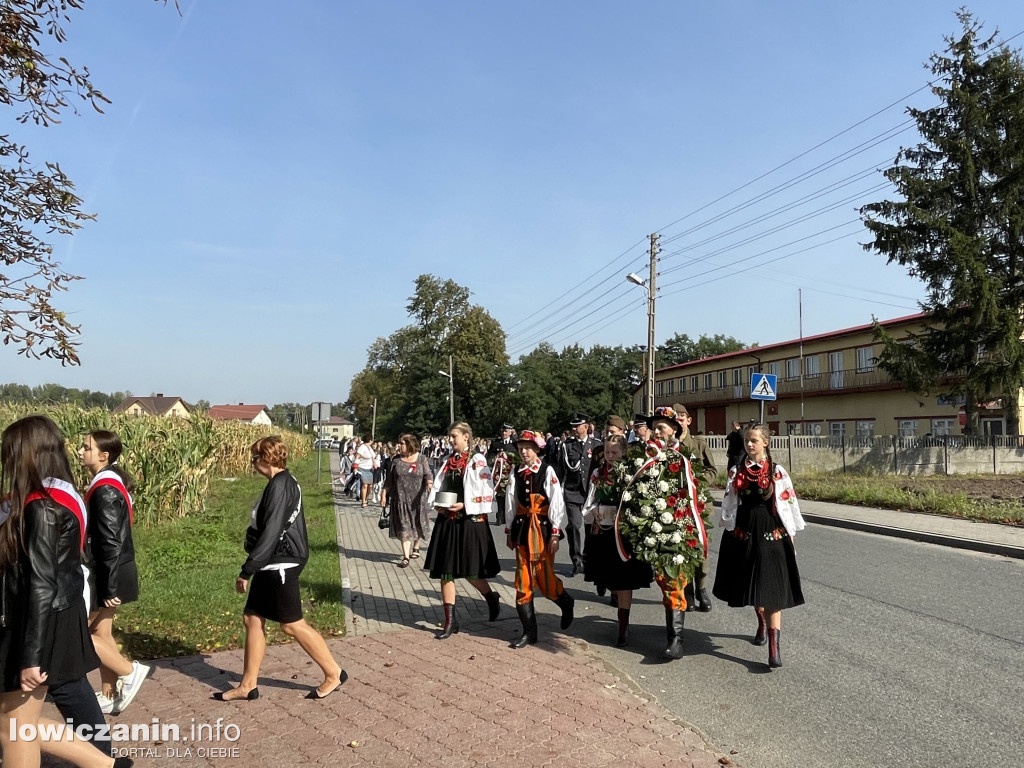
pixel 762 386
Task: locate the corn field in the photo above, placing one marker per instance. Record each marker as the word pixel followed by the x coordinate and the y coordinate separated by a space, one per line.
pixel 172 460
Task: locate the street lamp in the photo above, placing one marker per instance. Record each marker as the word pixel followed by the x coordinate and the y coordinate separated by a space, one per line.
pixel 451 390
pixel 634 278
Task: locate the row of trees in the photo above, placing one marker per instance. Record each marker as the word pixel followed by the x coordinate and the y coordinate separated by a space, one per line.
pixel 404 371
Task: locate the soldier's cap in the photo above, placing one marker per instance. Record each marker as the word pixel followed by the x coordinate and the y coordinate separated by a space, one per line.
pixel 616 421
pixel 529 436
pixel 639 418
pixel 680 409
pixel 578 419
pixel 507 426
pixel 664 413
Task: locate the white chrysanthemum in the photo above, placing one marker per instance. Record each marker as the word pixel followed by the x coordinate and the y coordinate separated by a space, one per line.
pixel 626 496
pixel 663 486
pixel 633 519
pixel 660 504
pixel 663 538
pixel 677 559
pixel 638 462
pixel 653 471
pixel 660 456
pixel 650 541
pixel 667 517
pixel 656 527
pixel 643 489
pixel 675 538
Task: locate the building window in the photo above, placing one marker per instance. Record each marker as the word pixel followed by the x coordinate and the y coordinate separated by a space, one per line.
pixel 668 387
pixel 813 428
pixel 942 426
pixel 837 429
pixel 661 388
pixel 908 427
pixel 723 379
pixel 811 369
pixel 773 368
pixel 865 429
pixel 737 377
pixel 793 368
pixel 795 428
pixel 693 383
pixel 707 381
pixel 750 372
pixel 865 359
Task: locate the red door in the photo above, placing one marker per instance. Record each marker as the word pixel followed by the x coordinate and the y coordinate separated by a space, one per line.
pixel 714 421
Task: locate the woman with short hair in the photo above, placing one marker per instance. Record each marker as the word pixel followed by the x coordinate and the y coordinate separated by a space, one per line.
pixel 278 551
pixel 406 490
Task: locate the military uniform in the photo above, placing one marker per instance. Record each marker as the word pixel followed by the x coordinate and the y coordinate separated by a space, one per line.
pixel 572 466
pixel 692 445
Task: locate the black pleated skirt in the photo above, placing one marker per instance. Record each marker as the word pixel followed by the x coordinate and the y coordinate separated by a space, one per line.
pixel 68 652
pixel 462 548
pixel 757 563
pixel 603 566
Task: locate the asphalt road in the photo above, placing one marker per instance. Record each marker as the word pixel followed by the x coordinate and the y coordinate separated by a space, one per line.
pixel 905 654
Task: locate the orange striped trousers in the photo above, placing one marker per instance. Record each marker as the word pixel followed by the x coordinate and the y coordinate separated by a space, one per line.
pixel 672 591
pixel 536 575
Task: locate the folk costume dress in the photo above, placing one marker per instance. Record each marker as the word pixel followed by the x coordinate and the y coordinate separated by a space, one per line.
pixel 757 561
pixel 604 566
pixel 461 546
pixel 534 512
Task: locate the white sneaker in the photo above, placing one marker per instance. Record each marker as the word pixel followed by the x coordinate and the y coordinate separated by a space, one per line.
pixel 130 685
pixel 106 704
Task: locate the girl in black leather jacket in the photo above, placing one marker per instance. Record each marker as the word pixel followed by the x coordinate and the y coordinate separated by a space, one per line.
pixel 44 640
pixel 115 577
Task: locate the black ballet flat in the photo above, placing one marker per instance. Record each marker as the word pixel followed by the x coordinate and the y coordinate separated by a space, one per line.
pixel 252 695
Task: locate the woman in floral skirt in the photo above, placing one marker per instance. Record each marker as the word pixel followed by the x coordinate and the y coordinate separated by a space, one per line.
pixel 461 546
pixel 757 560
pixel 406 489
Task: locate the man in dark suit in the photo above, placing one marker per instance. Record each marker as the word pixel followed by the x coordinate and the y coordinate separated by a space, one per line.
pixel 572 466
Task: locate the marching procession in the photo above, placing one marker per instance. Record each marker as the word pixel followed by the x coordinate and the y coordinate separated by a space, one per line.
pixel 633 509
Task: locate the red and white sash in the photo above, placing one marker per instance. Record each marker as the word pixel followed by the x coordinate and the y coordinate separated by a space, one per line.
pixel 110 477
pixel 63 493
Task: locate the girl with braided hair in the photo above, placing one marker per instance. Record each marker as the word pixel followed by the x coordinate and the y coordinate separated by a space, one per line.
pixel 757 560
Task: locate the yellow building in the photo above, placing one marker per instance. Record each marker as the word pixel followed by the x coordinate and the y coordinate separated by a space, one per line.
pixel 154 406
pixel 827 385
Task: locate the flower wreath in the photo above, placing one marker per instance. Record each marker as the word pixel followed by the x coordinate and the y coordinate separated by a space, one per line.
pixel 663 510
pixel 504 465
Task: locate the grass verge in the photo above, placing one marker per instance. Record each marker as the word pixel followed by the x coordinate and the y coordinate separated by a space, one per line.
pixel 187 571
pixel 912 494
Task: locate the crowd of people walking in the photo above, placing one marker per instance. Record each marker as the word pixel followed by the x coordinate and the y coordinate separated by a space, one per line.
pixel 631 503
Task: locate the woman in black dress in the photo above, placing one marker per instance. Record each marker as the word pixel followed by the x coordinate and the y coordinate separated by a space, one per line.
pixel 757 560
pixel 461 546
pixel 44 637
pixel 603 564
pixel 278 550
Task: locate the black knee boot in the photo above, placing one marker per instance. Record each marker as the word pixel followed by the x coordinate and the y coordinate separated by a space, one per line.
pixel 774 653
pixel 566 602
pixel 674 621
pixel 529 619
pixel 623 638
pixel 451 623
pixel 492 605
pixel 760 638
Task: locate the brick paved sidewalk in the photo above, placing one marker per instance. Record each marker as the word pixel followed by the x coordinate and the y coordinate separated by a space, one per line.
pixel 413 700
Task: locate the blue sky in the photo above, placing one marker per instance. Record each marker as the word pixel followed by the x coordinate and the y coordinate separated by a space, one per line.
pixel 271 177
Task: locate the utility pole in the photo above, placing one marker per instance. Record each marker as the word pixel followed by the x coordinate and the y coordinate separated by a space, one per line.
pixel 451 390
pixel 652 292
pixel 373 424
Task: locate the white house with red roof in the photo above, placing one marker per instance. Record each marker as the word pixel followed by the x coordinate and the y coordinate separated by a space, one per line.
pixel 249 414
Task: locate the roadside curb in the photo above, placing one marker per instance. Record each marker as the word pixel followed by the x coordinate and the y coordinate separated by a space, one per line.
pixel 988 547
